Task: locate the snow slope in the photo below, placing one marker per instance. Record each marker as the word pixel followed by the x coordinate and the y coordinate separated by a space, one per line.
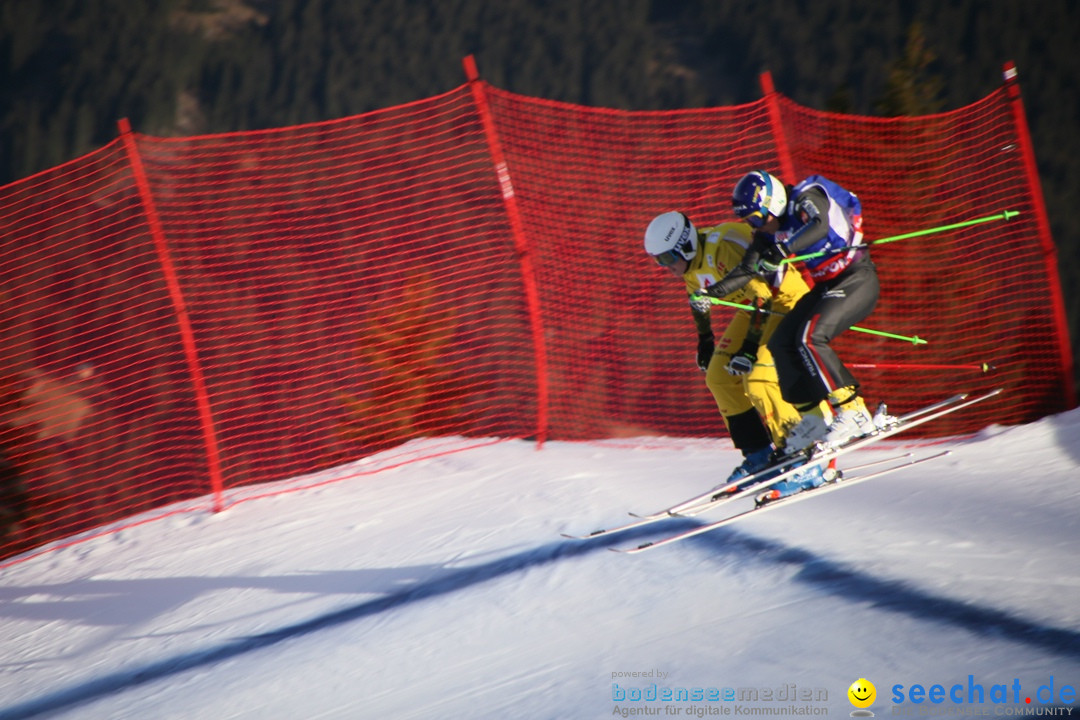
pixel 442 589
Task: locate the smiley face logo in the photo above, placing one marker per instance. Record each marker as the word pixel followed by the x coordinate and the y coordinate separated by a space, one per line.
pixel 862 693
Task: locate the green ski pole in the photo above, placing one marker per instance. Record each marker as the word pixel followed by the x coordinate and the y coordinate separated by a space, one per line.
pixel 914 340
pixel 1007 215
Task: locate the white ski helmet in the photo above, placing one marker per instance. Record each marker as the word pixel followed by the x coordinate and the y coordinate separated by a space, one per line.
pixel 669 237
pixel 757 196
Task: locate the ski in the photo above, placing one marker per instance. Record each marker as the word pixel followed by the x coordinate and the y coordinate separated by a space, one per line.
pixel 636 522
pixel 641 520
pixel 903 422
pixel 782 502
pixel 797 463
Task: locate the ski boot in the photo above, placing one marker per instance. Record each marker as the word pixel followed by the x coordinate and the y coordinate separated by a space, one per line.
pixel 845 419
pixel 812 477
pixel 753 462
pixel 852 421
pixel 809 430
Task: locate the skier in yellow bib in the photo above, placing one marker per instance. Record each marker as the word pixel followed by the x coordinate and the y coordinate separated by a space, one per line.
pixel 739 370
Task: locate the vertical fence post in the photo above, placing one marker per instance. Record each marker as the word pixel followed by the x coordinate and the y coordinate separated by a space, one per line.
pixel 776 123
pixel 517 229
pixel 1016 104
pixel 202 398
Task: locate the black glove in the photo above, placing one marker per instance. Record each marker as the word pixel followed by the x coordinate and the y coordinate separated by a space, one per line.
pixel 742 362
pixel 706 344
pixel 771 252
pixel 737 279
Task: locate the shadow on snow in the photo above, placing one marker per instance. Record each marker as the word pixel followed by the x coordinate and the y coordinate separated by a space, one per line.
pixel 893 595
pixel 834 578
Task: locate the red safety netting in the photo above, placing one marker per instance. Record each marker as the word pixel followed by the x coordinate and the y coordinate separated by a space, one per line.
pixel 98 412
pixel 181 317
pixel 973 292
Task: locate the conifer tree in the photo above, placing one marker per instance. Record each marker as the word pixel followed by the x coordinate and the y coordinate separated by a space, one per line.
pixel 912 88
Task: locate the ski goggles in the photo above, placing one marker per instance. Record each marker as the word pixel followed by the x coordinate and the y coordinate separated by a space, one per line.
pixel 752 216
pixel 669 258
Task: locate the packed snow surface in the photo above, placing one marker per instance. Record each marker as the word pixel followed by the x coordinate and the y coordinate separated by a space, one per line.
pixel 442 589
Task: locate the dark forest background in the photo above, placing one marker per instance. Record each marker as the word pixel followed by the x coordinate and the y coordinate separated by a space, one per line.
pixel 72 68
